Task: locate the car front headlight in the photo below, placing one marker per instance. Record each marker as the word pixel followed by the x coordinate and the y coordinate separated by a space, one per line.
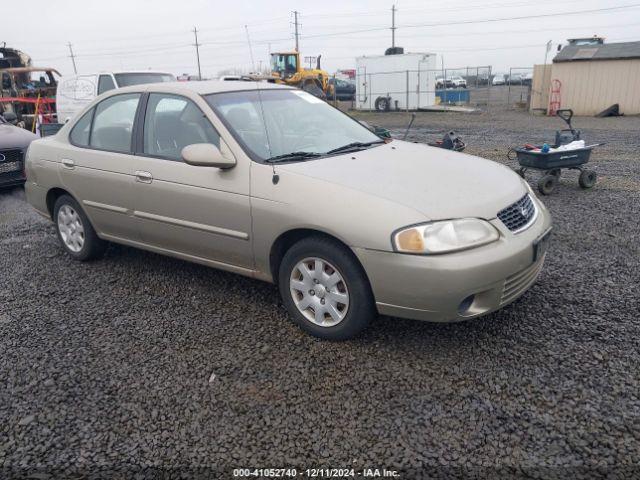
pixel 445 236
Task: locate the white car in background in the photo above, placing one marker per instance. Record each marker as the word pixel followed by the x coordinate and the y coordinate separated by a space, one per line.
pixel 498 80
pixel 74 92
pixel 458 82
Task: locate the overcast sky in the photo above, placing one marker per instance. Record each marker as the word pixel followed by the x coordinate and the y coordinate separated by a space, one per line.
pixel 129 34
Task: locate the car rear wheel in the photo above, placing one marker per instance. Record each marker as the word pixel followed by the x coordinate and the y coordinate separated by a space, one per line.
pixel 325 289
pixel 75 232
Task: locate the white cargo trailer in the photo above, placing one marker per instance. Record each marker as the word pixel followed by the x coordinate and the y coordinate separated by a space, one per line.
pixel 396 82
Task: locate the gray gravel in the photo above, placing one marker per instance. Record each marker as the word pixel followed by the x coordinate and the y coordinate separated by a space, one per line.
pixel 140 361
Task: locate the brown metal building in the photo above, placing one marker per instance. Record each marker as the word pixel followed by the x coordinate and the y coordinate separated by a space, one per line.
pixel 593 75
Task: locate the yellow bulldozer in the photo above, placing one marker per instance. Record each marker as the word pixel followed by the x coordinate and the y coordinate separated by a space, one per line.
pixel 286 68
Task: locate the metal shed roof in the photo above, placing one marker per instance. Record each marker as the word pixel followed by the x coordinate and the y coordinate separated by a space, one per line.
pixel 608 51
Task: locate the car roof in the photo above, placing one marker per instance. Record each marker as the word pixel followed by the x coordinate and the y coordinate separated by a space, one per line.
pixel 202 87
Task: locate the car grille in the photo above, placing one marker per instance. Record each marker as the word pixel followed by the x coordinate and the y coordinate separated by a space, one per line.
pixel 518 283
pixel 10 161
pixel 518 215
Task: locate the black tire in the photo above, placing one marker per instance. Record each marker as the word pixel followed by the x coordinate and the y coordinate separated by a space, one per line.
pixel 556 172
pixel 587 178
pixel 383 104
pixel 314 90
pixel 93 247
pixel 547 183
pixel 361 305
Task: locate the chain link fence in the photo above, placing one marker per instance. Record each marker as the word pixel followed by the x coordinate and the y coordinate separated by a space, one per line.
pixel 429 89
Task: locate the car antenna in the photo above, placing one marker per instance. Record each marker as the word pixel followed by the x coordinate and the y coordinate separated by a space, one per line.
pixel 275 178
pixel 406 132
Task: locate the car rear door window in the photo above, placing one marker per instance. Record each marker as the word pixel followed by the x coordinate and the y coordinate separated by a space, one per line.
pixel 80 132
pixel 171 123
pixel 105 83
pixel 113 123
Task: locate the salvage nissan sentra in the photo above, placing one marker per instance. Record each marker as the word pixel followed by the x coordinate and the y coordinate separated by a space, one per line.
pixel 273 183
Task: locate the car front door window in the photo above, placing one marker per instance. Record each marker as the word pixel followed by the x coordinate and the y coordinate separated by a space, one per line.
pixel 171 123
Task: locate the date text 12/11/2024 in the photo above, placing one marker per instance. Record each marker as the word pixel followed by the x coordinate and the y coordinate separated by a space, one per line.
pixel 315 473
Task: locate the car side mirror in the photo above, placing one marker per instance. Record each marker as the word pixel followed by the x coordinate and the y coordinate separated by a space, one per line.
pixel 10 117
pixel 206 155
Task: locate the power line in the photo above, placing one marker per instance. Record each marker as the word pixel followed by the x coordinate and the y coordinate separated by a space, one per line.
pixel 125 53
pixel 528 17
pixel 500 32
pixel 487 20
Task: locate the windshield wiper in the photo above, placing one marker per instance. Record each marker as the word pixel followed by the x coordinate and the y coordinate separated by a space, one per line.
pixel 354 146
pixel 292 156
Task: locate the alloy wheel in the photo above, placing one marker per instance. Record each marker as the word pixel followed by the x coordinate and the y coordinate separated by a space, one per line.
pixel 71 228
pixel 319 291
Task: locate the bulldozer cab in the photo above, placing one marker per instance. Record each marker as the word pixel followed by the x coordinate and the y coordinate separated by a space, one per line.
pixel 285 64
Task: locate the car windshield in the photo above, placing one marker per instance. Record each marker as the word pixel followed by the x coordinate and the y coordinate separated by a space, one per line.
pixel 281 122
pixel 128 79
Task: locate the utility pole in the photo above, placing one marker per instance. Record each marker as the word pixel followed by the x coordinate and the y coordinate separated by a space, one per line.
pixel 253 64
pixel 197 45
pixel 295 22
pixel 73 58
pixel 393 26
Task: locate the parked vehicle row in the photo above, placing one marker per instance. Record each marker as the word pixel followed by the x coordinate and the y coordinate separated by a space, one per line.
pixel 513 79
pixel 498 79
pixel 455 81
pixel 271 182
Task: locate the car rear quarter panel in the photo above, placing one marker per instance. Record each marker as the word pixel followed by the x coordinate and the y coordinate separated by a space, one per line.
pixel 41 166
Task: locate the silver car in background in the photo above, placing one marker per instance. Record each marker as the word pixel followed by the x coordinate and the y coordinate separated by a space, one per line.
pixel 270 182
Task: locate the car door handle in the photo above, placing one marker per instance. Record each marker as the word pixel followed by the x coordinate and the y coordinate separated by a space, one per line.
pixel 143 177
pixel 68 163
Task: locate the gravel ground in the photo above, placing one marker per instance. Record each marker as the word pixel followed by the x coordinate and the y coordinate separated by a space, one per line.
pixel 139 361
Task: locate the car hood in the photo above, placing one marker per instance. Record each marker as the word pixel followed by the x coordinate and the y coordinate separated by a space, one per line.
pixel 439 183
pixel 14 137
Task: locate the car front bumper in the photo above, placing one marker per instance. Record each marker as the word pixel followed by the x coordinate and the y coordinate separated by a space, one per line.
pixel 433 287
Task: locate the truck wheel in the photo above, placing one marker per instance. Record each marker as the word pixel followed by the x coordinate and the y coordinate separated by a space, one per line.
pixel 587 178
pixel 75 232
pixel 383 104
pixel 547 183
pixel 325 289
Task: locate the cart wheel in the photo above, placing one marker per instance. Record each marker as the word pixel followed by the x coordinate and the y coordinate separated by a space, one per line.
pixel 555 172
pixel 587 178
pixel 522 171
pixel 546 184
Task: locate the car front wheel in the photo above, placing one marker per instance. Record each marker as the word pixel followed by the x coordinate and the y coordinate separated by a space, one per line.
pixel 75 232
pixel 325 289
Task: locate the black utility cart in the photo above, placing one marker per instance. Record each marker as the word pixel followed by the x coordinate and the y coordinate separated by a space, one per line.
pixel 551 163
